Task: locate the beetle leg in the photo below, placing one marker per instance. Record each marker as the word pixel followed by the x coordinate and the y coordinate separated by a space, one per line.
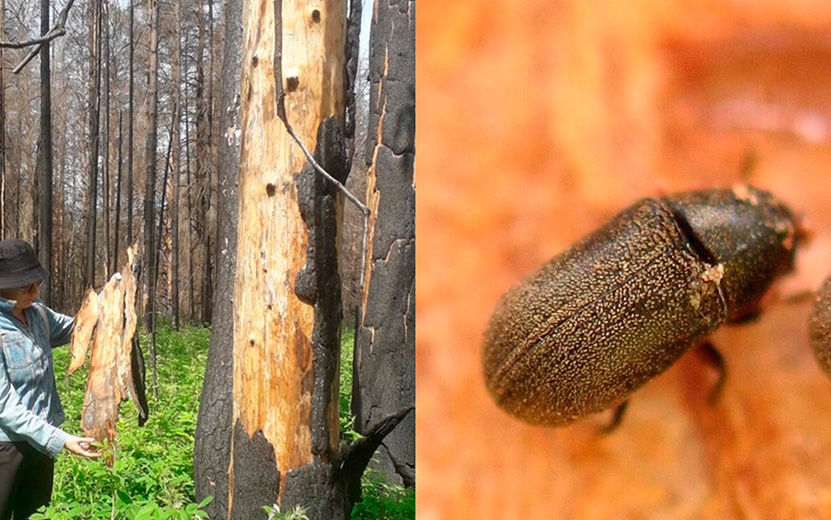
pixel 617 417
pixel 713 357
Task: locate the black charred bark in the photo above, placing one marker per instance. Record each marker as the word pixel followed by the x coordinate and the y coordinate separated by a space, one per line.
pixel 318 283
pixel 212 452
pixel 330 484
pixel 384 373
pixel 45 230
pixel 255 466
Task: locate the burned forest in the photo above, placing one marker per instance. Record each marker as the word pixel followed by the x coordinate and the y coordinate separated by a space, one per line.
pixel 241 169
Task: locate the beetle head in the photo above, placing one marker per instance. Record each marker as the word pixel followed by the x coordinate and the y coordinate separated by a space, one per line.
pixel 748 231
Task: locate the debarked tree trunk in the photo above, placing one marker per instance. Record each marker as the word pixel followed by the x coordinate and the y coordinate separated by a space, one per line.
pixel 279 419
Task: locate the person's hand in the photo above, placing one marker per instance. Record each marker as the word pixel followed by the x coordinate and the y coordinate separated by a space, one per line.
pixel 80 446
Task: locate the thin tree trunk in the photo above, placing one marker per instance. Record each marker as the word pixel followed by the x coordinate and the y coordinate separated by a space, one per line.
pixel 158 250
pixel 94 103
pixel 208 287
pixel 45 242
pixel 202 151
pixel 118 189
pixel 18 178
pixel 189 200
pixel 34 193
pixel 177 78
pixel 130 117
pixel 62 266
pixel 106 60
pixel 2 125
pixel 161 230
pixel 150 185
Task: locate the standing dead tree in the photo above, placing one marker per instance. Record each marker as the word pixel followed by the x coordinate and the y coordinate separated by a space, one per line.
pixel 45 184
pixel 94 145
pixel 151 142
pixel 212 450
pixel 2 125
pixel 384 374
pixel 276 429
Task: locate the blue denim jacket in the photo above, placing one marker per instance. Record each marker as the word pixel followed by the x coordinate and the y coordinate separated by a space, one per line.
pixel 30 409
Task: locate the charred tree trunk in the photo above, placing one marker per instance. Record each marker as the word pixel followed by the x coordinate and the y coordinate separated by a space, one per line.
pixel 161 231
pixel 45 236
pixel 175 165
pixel 285 332
pixel 149 266
pixel 130 117
pixel 207 268
pixel 118 189
pixel 106 188
pixel 94 88
pixel 384 374
pixel 203 161
pixel 157 247
pixel 60 265
pixel 189 201
pixel 34 192
pixel 2 125
pixel 212 452
pixel 207 197
pixel 18 179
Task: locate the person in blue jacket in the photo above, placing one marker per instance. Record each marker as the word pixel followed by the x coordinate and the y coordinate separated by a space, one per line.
pixel 30 409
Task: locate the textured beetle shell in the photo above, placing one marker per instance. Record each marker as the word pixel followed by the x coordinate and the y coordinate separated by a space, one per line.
pixel 748 231
pixel 819 326
pixel 597 321
pixel 623 304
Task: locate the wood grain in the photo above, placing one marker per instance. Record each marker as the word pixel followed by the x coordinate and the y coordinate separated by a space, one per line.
pixel 85 322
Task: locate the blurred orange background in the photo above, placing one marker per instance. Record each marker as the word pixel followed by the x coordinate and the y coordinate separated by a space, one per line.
pixel 537 122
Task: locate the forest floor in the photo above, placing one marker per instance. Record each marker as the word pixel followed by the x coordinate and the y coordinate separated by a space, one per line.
pixel 152 477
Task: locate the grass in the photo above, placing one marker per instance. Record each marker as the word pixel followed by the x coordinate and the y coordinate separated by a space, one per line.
pixel 152 477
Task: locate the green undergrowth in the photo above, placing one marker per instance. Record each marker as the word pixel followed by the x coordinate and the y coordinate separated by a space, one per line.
pixel 152 477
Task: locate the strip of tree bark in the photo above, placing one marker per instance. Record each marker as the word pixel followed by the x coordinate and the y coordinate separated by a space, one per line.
pixel 114 374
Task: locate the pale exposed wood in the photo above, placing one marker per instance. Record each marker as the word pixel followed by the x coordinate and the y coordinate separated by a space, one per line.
pixel 272 327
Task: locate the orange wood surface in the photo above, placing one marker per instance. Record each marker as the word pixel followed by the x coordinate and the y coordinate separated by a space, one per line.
pixel 539 120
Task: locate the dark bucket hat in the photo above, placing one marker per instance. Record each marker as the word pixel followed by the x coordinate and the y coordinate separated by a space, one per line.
pixel 19 265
